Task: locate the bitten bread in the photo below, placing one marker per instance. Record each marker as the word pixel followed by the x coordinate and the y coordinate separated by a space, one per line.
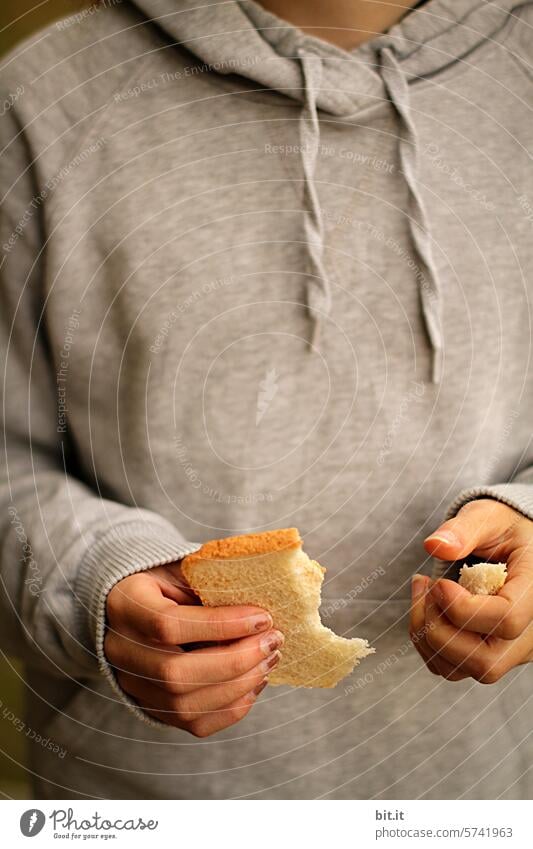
pixel 483 578
pixel 270 570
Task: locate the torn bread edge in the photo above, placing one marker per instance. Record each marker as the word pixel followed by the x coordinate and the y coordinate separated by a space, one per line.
pixel 270 570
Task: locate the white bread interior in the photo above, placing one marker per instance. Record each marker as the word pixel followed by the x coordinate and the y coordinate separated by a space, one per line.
pixel 483 578
pixel 270 570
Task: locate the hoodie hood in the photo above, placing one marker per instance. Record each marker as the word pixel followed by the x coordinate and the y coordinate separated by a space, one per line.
pixel 243 38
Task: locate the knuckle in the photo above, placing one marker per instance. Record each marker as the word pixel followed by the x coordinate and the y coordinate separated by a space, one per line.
pixel 168 672
pixel 235 714
pixel 160 628
pixel 418 633
pixel 218 626
pixel 450 675
pixel 432 639
pixel 238 663
pixel 187 708
pixel 511 625
pixel 492 674
pixel 238 713
pixel 458 612
pixel 455 675
pixel 180 712
pixel 480 669
pixel 197 729
pixel 118 596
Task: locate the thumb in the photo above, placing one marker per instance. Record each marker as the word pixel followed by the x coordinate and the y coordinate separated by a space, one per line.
pixel 480 524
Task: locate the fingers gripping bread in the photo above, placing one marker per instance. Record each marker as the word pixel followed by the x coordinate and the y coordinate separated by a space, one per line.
pixel 270 570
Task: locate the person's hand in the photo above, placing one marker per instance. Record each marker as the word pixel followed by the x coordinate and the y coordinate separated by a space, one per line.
pixel 460 635
pixel 155 626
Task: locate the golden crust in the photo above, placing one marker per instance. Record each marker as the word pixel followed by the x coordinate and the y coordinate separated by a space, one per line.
pixel 270 571
pixel 246 545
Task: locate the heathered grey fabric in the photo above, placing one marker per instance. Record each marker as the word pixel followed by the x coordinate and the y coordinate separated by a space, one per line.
pixel 169 247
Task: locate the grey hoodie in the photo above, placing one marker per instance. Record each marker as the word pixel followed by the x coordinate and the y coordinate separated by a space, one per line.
pixel 250 280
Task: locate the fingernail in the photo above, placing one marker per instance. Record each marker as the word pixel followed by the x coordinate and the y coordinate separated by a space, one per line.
pixel 445 537
pixel 271 641
pixel 260 687
pixel 418 586
pixel 261 622
pixel 271 662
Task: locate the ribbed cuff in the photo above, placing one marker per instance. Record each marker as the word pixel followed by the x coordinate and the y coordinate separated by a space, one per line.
pixel 519 496
pixel 124 550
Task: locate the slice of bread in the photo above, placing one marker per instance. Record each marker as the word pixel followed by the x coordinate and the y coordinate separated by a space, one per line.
pixel 483 578
pixel 270 570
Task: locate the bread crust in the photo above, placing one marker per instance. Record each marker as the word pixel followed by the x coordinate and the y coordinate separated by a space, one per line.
pixel 246 545
pixel 269 570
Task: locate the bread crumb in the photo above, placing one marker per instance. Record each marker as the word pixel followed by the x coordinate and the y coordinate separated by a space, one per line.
pixel 483 578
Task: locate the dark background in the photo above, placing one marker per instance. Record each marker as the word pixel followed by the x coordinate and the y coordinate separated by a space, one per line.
pixel 19 18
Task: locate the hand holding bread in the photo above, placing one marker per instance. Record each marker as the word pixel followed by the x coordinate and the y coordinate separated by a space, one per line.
pixel 259 592
pixel 195 643
pixel 154 639
pixel 483 635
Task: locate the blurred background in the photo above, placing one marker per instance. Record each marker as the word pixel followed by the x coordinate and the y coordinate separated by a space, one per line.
pixel 18 19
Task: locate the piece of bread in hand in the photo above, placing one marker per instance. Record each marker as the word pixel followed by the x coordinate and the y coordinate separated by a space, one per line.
pixel 483 578
pixel 270 570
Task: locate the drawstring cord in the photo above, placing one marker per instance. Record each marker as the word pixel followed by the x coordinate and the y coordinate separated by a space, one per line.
pixel 398 90
pixel 319 290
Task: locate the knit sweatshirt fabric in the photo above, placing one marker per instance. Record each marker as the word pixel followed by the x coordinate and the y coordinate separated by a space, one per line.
pixel 251 280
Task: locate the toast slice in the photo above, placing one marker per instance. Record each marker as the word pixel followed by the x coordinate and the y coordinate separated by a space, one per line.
pixel 270 570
